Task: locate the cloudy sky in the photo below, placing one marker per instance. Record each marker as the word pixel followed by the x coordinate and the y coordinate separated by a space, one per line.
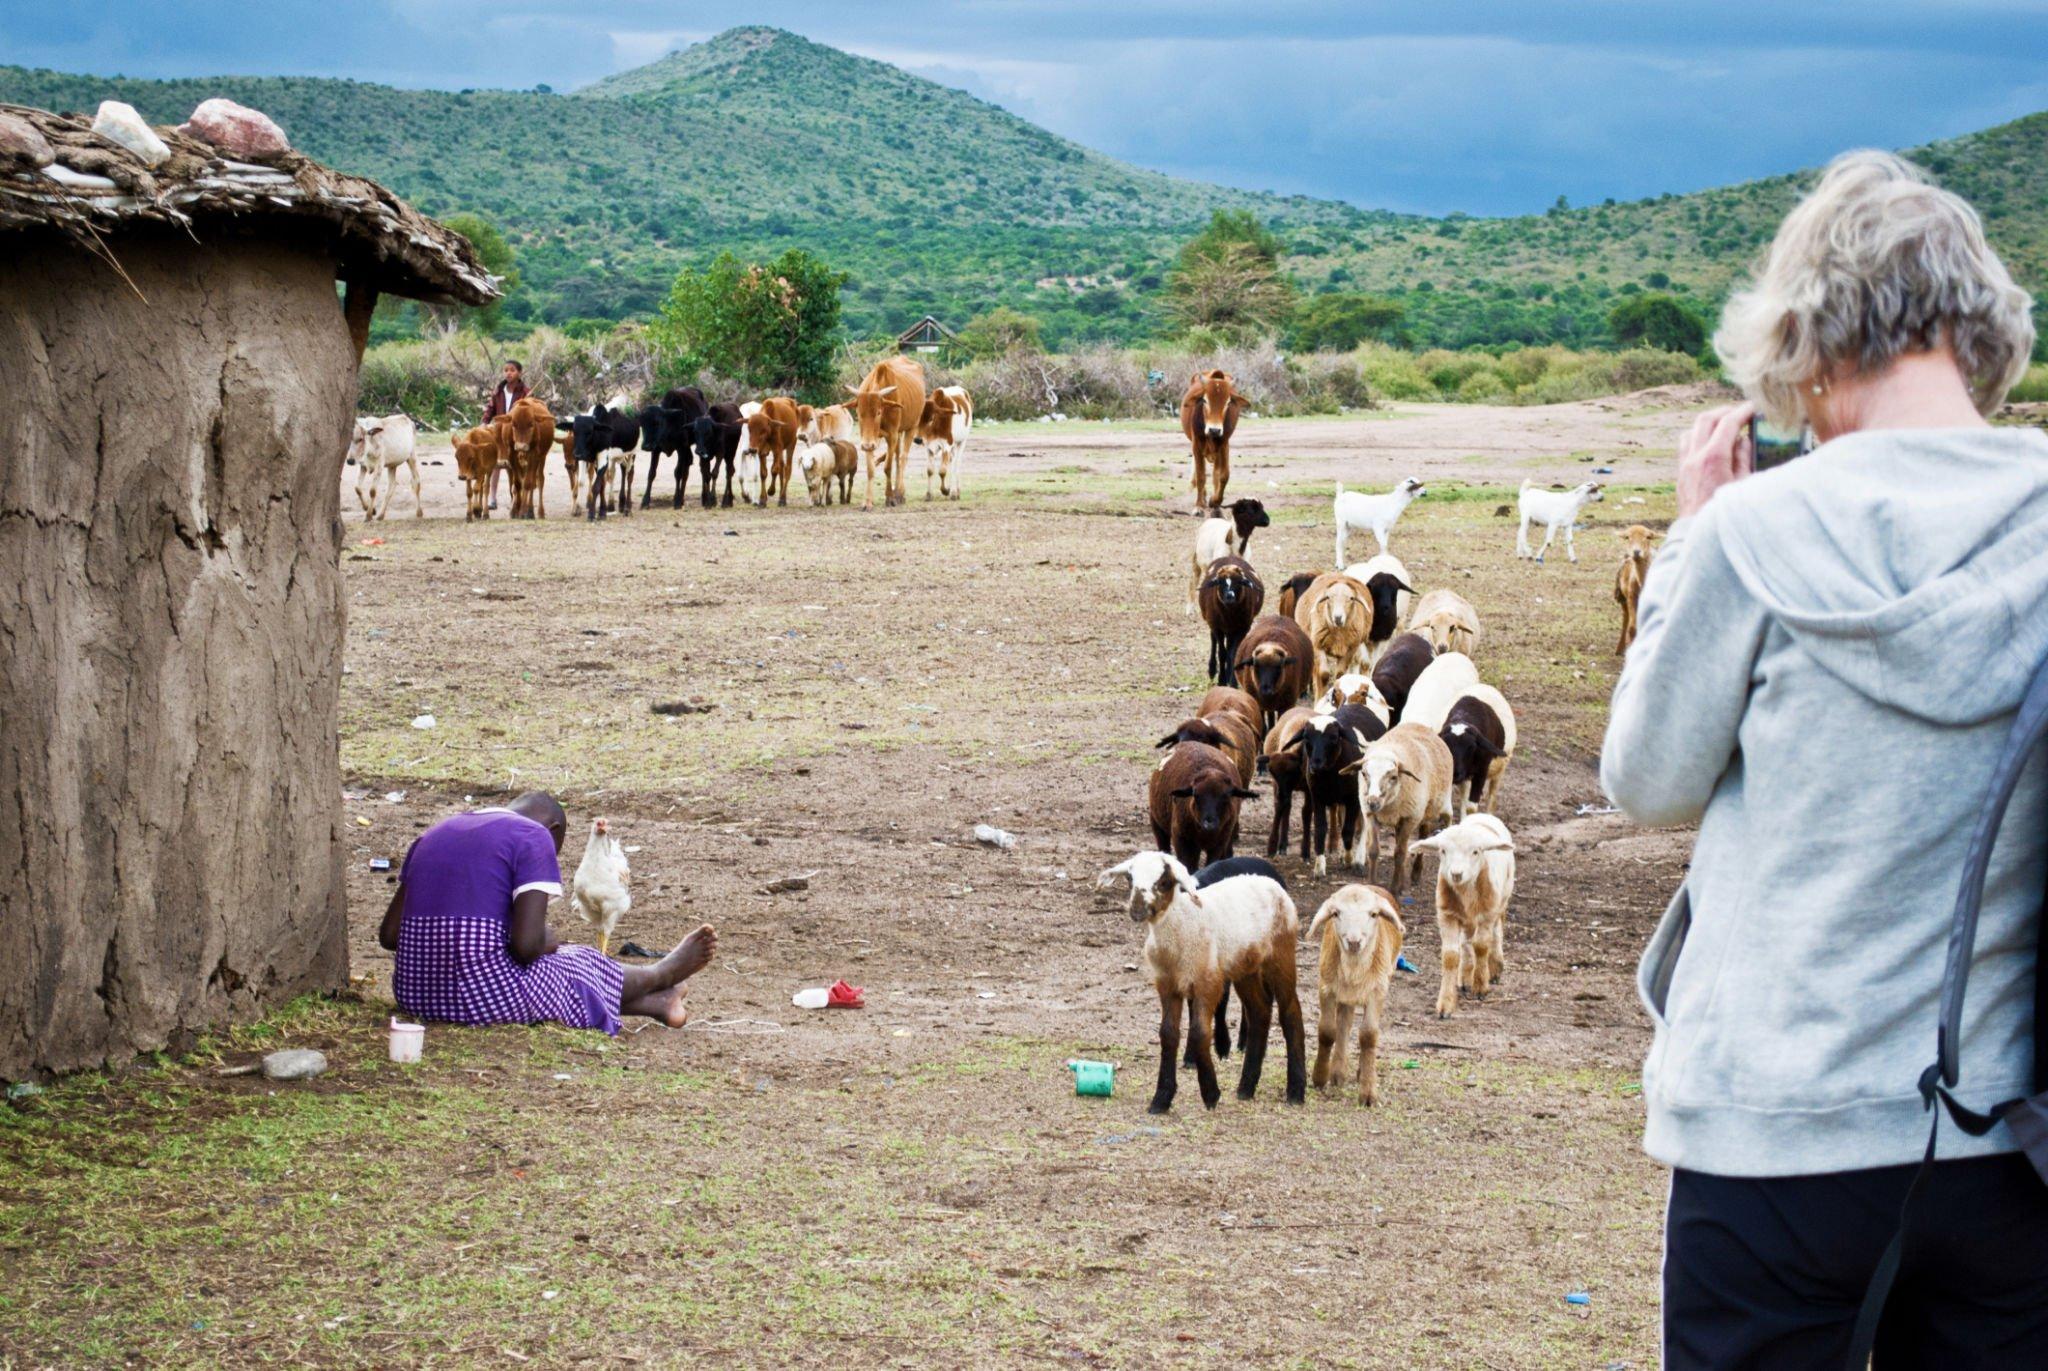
pixel 1492 106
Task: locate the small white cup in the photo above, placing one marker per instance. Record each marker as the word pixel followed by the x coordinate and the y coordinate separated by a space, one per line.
pixel 406 1040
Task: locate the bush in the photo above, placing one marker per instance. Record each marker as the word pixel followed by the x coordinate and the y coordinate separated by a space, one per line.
pixel 1483 385
pixel 444 382
pixel 2033 387
pixel 1393 374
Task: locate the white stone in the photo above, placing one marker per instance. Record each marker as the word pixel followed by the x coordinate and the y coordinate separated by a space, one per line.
pixel 121 123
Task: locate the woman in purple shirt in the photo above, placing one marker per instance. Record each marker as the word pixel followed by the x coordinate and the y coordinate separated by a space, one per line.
pixel 469 925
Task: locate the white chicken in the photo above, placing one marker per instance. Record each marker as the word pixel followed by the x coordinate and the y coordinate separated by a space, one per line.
pixel 599 894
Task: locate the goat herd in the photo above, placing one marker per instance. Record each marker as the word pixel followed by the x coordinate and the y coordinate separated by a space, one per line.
pixel 764 443
pixel 1361 696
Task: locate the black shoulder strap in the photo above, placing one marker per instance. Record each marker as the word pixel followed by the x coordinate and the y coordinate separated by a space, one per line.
pixel 2028 728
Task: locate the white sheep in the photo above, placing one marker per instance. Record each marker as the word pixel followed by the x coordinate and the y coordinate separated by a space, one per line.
pixel 1404 787
pixel 1475 878
pixel 1447 620
pixel 1357 509
pixel 1448 676
pixel 1238 932
pixel 1361 932
pixel 1552 509
pixel 1223 536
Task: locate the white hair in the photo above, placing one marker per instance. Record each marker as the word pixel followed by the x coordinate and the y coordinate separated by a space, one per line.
pixel 1876 262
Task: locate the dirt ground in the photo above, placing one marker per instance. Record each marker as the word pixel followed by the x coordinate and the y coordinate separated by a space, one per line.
pixel 914 1183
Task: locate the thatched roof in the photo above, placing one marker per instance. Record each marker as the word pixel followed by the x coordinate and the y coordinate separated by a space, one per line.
pixel 95 186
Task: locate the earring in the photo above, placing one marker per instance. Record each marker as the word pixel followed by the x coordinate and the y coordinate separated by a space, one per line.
pixel 1819 389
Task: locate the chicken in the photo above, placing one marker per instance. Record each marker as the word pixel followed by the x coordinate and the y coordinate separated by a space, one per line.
pixel 599 894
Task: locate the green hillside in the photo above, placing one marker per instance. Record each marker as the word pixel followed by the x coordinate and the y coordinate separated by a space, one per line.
pixel 936 201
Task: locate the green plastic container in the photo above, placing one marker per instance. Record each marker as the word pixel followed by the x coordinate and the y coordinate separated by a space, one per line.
pixel 1093 1078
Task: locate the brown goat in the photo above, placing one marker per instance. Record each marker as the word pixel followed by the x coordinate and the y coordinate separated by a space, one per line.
pixel 1192 800
pixel 1230 596
pixel 1272 665
pixel 1628 580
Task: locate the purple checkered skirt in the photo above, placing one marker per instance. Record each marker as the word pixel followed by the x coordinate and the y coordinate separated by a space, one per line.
pixel 458 971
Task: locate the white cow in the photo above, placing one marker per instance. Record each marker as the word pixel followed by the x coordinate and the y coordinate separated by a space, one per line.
pixel 379 447
pixel 750 462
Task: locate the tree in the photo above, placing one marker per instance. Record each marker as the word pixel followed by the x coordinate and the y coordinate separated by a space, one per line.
pixel 771 327
pixel 1658 321
pixel 497 256
pixel 1000 331
pixel 1228 279
pixel 1339 323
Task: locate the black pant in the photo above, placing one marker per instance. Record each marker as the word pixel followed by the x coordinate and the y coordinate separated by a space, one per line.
pixel 1769 1273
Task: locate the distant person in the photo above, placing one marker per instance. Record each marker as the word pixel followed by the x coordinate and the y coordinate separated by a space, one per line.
pixel 1830 654
pixel 509 391
pixel 469 922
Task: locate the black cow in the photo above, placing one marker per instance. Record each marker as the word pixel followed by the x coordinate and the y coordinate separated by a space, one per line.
pixel 596 433
pixel 716 436
pixel 667 429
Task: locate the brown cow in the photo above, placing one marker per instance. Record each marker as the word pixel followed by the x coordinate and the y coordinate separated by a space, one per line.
pixel 942 430
pixel 1208 416
pixel 530 433
pixel 771 432
pixel 476 457
pixel 886 406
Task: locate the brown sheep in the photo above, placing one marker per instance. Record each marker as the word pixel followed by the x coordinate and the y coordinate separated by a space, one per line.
pixel 1192 800
pixel 1231 595
pixel 1337 614
pixel 1361 930
pixel 1230 700
pixel 1290 591
pixel 1272 665
pixel 1281 760
pixel 1400 666
pixel 1628 580
pixel 1228 734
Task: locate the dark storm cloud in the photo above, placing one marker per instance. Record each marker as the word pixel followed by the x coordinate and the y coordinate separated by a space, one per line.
pixel 1488 107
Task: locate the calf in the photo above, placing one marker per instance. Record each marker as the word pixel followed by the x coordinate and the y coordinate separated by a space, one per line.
pixel 716 437
pixel 380 446
pixel 942 429
pixel 1400 666
pixel 476 457
pixel 605 440
pixel 771 433
pixel 1208 417
pixel 1231 596
pixel 1192 799
pixel 526 436
pixel 667 430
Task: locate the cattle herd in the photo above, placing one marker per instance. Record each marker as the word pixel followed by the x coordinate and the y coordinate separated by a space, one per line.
pixel 762 444
pixel 1358 694
pixel 1361 696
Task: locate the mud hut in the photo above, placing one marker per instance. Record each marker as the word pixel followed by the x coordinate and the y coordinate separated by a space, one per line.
pixel 177 384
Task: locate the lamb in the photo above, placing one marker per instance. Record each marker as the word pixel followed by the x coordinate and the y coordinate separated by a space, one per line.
pixel 1223 538
pixel 1361 931
pixel 1281 760
pixel 1330 746
pixel 1291 590
pixel 826 462
pixel 1446 678
pixel 1475 879
pixel 599 891
pixel 1628 581
pixel 1192 799
pixel 1232 596
pixel 1357 688
pixel 1206 877
pixel 1387 586
pixel 1378 513
pixel 1552 508
pixel 1336 615
pixel 1239 932
pixel 1228 734
pixel 1480 732
pixel 1400 666
pixel 379 446
pixel 1272 665
pixel 1404 786
pixel 1448 620
pixel 1231 700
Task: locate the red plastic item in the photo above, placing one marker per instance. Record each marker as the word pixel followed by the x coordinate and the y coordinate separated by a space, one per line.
pixel 844 996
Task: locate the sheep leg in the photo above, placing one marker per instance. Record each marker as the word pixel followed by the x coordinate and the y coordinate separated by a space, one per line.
pixel 1351 852
pixel 1289 1000
pixel 1220 1034
pixel 1400 877
pixel 1205 1063
pixel 1252 1034
pixel 1276 832
pixel 1447 988
pixel 1320 822
pixel 1169 1048
pixel 1498 946
pixel 1333 1030
pixel 1479 952
pixel 1369 1047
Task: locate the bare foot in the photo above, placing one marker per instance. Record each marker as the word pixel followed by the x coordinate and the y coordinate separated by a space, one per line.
pixel 676 1013
pixel 690 956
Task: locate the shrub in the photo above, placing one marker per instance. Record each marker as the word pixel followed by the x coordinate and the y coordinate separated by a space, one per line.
pixel 1483 385
pixel 1393 374
pixel 2033 387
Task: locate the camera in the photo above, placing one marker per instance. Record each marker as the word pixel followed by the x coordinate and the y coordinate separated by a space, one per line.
pixel 1773 446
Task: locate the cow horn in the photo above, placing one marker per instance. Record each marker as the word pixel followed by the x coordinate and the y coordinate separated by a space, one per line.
pixel 886 390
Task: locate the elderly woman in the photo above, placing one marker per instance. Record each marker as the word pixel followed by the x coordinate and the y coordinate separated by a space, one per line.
pixel 1829 657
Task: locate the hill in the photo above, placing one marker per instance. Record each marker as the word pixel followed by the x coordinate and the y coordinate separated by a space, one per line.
pixel 937 201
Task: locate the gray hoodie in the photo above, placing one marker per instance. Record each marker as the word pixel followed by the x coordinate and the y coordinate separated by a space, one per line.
pixel 1827 662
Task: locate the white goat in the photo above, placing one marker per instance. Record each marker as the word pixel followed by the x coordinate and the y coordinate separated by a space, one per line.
pixel 1375 513
pixel 1475 878
pixel 1552 508
pixel 1361 933
pixel 1446 678
pixel 1238 932
pixel 378 447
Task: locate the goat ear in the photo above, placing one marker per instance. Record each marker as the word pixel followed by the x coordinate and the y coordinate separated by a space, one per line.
pixel 1106 879
pixel 1184 793
pixel 1244 794
pixel 1403 585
